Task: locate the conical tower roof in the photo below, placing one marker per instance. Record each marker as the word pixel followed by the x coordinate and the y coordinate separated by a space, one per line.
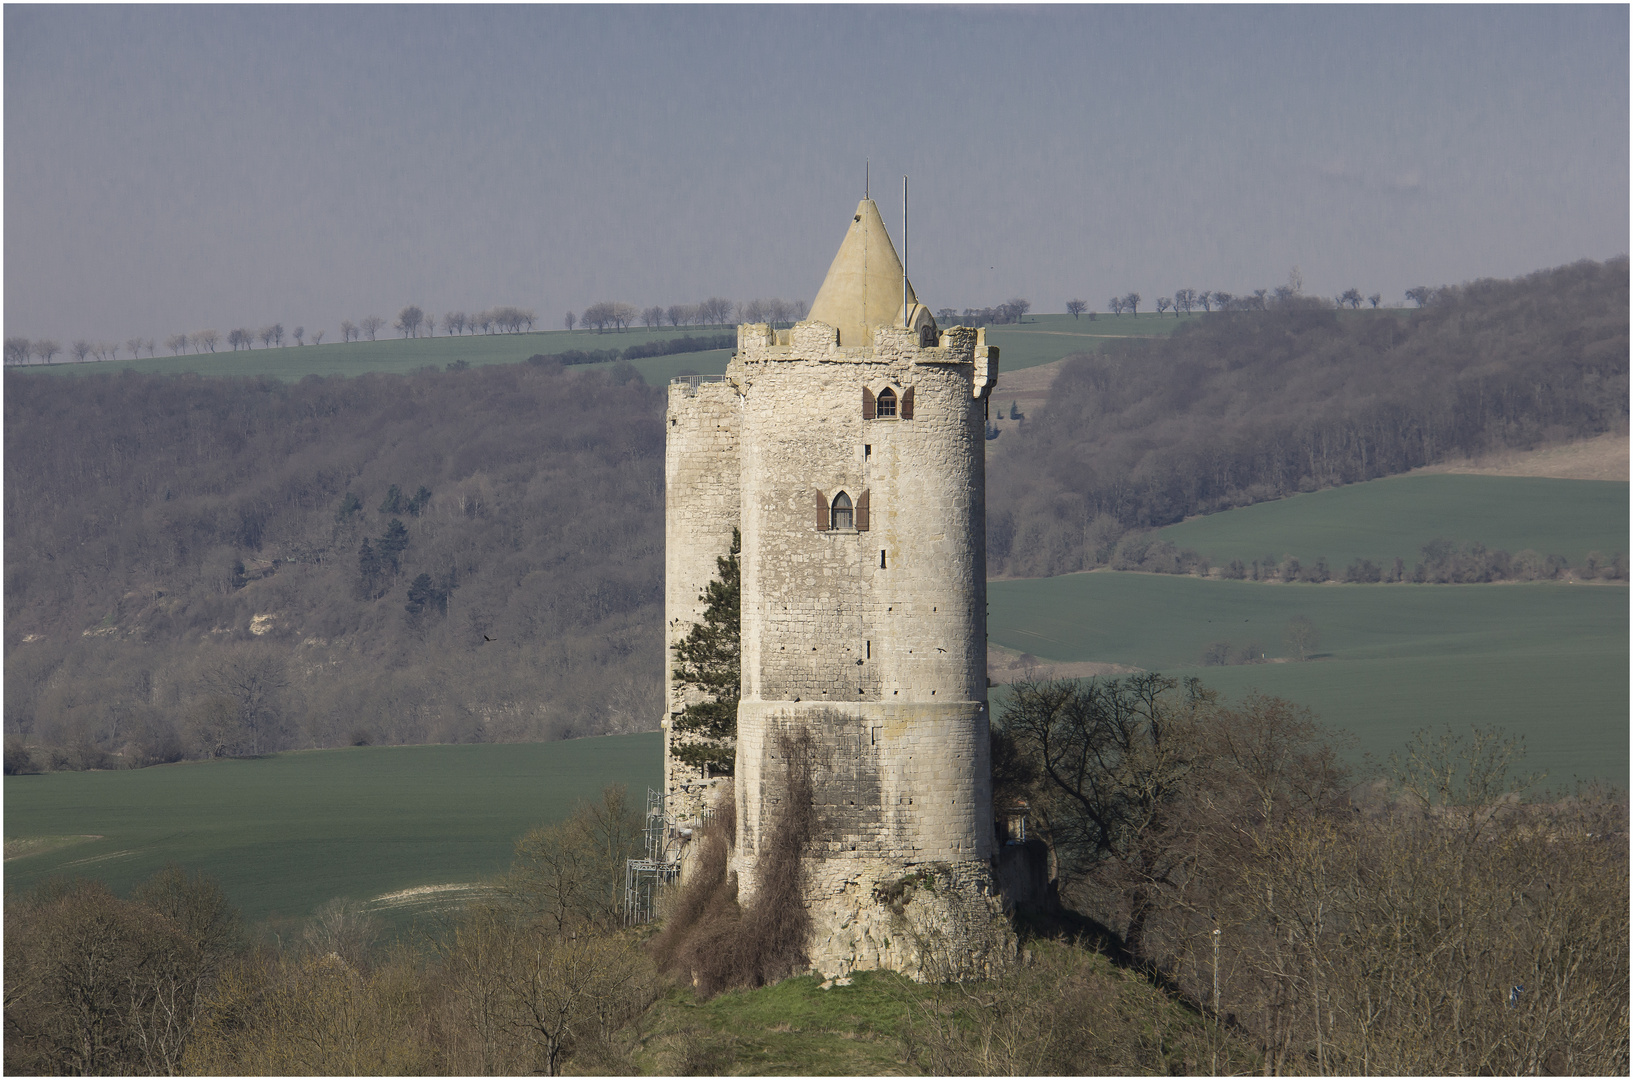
pixel 864 285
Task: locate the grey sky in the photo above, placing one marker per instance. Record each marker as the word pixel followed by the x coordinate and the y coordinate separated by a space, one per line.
pixel 169 169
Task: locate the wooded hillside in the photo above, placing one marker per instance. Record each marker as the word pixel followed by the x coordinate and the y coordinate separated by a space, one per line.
pixel 225 566
pixel 1241 406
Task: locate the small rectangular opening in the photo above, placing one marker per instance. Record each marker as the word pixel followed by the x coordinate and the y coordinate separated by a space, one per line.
pixel 881 558
pixel 867 451
pixel 870 650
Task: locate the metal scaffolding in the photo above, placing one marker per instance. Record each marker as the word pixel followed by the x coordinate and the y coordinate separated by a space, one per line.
pixel 645 878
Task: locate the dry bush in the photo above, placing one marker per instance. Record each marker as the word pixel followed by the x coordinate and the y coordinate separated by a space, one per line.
pixel 1412 942
pixel 727 945
pixel 314 1016
pixel 1058 1014
pixel 342 928
pixel 99 985
pixel 710 889
pixel 516 996
pixel 571 873
pixel 1379 929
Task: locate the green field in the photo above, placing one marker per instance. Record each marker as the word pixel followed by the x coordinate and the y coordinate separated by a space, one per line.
pixel 293 363
pixel 287 832
pixel 1546 660
pixel 1381 519
pixel 1040 340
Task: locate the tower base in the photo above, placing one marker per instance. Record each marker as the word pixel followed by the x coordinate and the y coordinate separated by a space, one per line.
pixel 936 922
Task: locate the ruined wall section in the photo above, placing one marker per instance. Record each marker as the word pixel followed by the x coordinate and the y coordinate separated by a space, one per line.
pixel 702 506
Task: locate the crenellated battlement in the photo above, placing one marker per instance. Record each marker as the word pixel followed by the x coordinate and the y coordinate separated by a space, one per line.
pixel 759 343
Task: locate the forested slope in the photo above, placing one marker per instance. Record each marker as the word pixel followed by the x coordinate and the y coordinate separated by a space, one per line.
pixel 210 566
pixel 186 567
pixel 1241 406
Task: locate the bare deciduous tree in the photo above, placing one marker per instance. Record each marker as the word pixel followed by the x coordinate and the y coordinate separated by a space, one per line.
pixel 408 321
pixel 1301 636
pixel 371 325
pixel 254 680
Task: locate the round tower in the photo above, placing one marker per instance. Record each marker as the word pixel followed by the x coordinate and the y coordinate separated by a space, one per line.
pixel 861 446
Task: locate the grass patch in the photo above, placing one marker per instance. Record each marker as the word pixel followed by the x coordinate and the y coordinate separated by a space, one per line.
pixel 287 832
pixel 1381 519
pixel 1546 660
pixel 880 1024
pixel 792 1028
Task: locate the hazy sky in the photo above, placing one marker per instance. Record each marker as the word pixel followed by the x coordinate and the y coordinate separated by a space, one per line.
pixel 174 168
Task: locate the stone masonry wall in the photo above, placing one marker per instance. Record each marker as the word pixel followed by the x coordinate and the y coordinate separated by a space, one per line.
pixel 871 640
pixel 702 506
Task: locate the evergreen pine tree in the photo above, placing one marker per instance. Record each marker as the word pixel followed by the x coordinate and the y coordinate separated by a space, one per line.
pixel 708 659
pixel 392 544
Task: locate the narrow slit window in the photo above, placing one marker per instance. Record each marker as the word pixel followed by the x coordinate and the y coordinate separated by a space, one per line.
pixel 843 515
pixel 881 558
pixel 886 405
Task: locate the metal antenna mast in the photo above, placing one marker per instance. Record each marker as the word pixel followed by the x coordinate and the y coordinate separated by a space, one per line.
pixel 906 318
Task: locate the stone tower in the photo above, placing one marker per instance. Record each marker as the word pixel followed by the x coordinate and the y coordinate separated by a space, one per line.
pixel 849 451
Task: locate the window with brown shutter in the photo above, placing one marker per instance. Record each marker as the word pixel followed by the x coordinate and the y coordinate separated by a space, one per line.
pixel 844 512
pixel 907 404
pixel 822 512
pixel 862 511
pixel 867 404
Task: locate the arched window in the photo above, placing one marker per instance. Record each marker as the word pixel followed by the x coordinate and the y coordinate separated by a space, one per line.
pixel 887 402
pixel 928 338
pixel 844 516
